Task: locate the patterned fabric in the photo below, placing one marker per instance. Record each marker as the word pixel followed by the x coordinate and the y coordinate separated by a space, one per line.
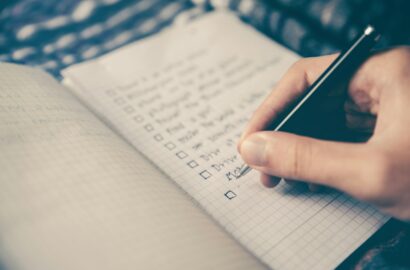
pixel 53 34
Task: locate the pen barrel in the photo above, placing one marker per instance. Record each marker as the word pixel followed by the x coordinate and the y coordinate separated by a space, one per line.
pixel 319 111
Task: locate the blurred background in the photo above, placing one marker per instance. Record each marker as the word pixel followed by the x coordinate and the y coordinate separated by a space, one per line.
pixel 53 34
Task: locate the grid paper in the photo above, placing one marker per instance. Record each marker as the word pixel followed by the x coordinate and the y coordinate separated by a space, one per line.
pixel 75 196
pixel 195 87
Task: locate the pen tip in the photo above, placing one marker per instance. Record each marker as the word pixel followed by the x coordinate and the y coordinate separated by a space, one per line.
pixel 244 170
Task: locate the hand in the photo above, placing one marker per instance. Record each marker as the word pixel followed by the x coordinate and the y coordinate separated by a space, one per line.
pixel 378 100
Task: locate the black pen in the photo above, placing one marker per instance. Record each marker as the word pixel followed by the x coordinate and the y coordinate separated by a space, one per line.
pixel 341 70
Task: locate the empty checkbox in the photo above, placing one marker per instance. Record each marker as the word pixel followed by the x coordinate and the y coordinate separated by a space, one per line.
pixel 129 109
pixel 149 127
pixel 205 174
pixel 119 101
pixel 230 194
pixel 193 164
pixel 110 93
pixel 158 137
pixel 170 145
pixel 181 154
pixel 138 118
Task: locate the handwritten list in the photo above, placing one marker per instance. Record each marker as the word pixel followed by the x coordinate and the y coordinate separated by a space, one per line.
pixel 187 107
pixel 182 98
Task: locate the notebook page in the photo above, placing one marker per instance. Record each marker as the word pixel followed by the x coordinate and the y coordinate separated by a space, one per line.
pixel 75 196
pixel 182 98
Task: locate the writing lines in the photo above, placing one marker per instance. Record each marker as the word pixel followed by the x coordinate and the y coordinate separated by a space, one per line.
pixel 161 134
pixel 188 110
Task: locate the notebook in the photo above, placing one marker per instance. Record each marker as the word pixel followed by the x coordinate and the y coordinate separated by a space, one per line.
pixel 130 162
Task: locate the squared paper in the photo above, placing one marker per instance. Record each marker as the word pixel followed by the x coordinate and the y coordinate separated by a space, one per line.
pixel 197 86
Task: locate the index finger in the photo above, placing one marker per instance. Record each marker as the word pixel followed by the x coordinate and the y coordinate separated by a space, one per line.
pixel 299 77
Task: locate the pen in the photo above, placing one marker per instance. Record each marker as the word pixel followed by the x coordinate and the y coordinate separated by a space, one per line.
pixel 340 70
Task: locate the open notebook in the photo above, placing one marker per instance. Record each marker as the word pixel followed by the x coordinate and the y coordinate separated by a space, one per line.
pixel 131 162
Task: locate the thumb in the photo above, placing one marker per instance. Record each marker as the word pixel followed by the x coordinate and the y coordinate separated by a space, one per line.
pixel 335 164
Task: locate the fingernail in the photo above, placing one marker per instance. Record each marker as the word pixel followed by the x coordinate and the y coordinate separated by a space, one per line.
pixel 253 150
pixel 269 181
pixel 238 146
pixel 242 136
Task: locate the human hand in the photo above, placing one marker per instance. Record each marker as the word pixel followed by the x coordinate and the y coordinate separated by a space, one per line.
pixel 378 101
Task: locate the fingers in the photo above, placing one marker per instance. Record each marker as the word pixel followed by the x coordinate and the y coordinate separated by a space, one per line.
pixel 269 181
pixel 360 123
pixel 380 76
pixel 310 186
pixel 334 164
pixel 292 85
pixel 357 120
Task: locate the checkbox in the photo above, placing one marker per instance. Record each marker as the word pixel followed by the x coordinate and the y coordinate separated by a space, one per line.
pixel 230 194
pixel 170 145
pixel 149 127
pixel 181 154
pixel 193 164
pixel 110 93
pixel 138 119
pixel 158 137
pixel 205 174
pixel 129 109
pixel 119 101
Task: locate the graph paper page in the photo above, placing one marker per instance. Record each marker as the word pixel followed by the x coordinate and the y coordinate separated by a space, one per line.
pixel 182 98
pixel 74 195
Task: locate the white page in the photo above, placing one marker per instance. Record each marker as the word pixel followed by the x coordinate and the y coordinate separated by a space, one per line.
pixel 182 98
pixel 75 196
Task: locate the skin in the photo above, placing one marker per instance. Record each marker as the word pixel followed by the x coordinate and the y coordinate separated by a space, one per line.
pixel 377 104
